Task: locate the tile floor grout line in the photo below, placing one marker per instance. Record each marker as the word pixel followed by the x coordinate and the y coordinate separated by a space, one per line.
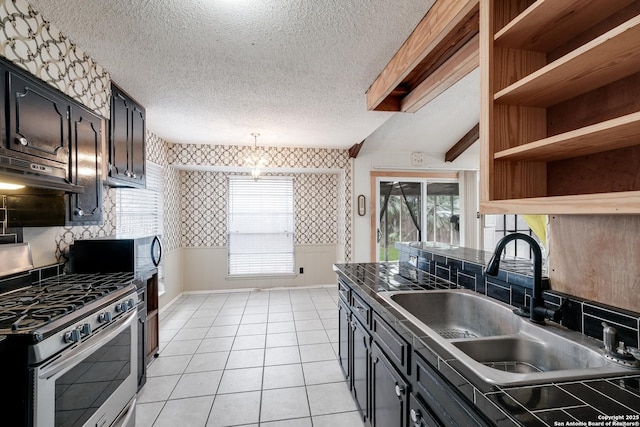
pixel 314 299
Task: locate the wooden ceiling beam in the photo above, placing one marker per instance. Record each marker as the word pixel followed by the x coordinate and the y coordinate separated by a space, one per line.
pixel 355 149
pixel 461 146
pixel 444 30
pixel 465 60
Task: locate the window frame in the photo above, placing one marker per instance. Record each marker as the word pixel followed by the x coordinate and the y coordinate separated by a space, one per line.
pixel 290 235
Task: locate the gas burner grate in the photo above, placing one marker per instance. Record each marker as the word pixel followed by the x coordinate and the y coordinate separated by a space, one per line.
pixel 48 300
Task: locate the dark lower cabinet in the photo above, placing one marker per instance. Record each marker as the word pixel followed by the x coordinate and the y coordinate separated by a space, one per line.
pixel 86 168
pixel 419 415
pixel 361 352
pixel 447 405
pixel 390 392
pixel 344 340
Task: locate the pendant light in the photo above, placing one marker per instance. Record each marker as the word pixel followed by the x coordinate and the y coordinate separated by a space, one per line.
pixel 255 161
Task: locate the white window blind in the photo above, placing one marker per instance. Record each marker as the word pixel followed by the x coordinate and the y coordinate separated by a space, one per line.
pixel 260 226
pixel 139 211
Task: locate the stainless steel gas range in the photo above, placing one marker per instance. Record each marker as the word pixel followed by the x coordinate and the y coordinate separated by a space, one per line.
pixel 68 346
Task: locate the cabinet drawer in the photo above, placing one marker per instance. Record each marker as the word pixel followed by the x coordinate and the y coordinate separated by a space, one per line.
pixel 344 291
pixel 391 342
pixel 451 408
pixel 361 309
pixel 419 415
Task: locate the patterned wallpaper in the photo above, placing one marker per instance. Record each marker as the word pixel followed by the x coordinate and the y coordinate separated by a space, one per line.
pixel 204 208
pixel 37 46
pixel 319 218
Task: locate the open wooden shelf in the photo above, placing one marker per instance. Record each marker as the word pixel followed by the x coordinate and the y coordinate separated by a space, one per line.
pixel 534 30
pixel 609 135
pixel 607 58
pixel 625 202
pixel 560 107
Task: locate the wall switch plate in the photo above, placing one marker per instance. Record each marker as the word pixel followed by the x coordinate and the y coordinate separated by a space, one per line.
pixel 417 159
pixel 301 270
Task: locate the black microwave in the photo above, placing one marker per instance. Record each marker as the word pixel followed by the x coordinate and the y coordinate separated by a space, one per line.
pixel 140 255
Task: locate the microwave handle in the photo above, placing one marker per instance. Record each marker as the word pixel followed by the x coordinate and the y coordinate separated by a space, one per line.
pixel 156 241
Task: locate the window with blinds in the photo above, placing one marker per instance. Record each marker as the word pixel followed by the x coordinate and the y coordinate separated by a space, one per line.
pixel 260 226
pixel 139 211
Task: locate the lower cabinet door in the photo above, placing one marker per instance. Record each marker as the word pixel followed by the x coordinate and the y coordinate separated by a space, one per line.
pixel 390 392
pixel 344 332
pixel 361 350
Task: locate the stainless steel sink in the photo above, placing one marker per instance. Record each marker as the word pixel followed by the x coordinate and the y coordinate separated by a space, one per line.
pixel 454 314
pixel 499 346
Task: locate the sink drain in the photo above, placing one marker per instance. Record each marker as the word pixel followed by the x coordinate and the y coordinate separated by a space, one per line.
pixel 452 334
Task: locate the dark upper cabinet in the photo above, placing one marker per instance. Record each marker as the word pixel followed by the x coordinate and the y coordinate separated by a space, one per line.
pixel 38 120
pixel 126 141
pixel 86 168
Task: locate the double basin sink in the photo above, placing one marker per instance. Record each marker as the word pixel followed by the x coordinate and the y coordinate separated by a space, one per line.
pixel 499 346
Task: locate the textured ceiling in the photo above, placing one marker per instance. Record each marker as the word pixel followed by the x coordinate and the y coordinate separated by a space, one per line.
pixel 214 71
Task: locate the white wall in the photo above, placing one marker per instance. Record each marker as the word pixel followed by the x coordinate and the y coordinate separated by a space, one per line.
pixel 205 269
pixel 368 161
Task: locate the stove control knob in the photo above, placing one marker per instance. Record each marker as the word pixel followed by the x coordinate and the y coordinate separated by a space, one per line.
pixel 72 336
pixel 121 307
pixel 85 329
pixel 104 317
pixel 131 303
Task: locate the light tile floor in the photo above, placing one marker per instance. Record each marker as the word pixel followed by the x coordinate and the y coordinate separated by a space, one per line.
pixel 260 358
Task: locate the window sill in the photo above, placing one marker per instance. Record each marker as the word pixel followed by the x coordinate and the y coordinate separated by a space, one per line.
pixel 259 276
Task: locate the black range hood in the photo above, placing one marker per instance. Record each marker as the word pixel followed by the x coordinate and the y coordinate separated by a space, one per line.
pixel 32 174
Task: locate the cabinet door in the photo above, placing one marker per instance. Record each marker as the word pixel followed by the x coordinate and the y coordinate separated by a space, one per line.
pixel 361 351
pixel 86 167
pixel 389 392
pixel 3 105
pixel 137 145
pixel 119 135
pixel 344 332
pixel 38 120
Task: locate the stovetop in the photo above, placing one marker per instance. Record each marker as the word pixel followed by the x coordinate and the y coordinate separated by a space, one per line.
pixel 26 310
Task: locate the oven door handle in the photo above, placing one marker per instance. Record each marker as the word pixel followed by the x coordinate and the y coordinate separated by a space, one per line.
pixel 84 349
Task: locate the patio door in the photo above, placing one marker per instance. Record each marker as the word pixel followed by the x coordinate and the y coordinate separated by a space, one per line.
pixel 399 216
pixel 415 210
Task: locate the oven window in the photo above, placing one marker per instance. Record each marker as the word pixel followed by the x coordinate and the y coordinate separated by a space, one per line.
pixel 82 391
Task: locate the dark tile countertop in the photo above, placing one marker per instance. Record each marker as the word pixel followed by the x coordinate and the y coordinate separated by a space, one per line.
pixel 607 402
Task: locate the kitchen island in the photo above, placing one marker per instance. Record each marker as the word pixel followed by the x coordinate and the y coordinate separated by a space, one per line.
pixel 401 377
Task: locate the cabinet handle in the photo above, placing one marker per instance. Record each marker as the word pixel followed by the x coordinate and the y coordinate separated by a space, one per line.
pixel 399 390
pixel 23 141
pixel 416 415
pixel 78 212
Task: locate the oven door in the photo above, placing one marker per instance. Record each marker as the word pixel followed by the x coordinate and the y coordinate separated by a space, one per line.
pixel 93 383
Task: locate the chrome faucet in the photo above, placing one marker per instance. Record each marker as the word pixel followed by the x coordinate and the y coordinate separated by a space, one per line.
pixel 537 311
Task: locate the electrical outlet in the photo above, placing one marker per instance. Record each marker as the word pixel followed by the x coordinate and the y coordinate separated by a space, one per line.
pixel 301 270
pixel 417 159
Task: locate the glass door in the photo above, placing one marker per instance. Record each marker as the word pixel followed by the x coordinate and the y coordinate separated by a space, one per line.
pixel 399 216
pixel 415 210
pixel 443 213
